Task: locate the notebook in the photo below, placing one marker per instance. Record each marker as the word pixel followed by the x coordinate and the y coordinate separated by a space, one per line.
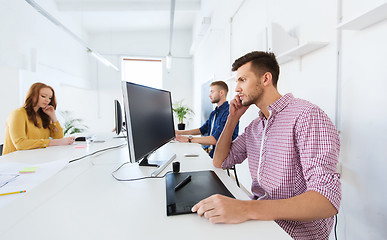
pixel 202 185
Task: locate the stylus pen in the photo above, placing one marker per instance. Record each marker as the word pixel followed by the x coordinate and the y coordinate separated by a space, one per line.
pixel 183 183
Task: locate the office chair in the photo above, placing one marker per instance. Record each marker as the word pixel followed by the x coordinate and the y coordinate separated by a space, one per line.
pixel 1 149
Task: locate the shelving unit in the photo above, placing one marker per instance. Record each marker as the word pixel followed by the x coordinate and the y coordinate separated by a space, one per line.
pixel 278 40
pixel 366 19
pixel 299 51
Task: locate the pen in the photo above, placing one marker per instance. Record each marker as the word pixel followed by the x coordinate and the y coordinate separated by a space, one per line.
pixel 2 194
pixel 183 183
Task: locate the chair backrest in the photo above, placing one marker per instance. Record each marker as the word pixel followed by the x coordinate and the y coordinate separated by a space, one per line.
pixel 1 149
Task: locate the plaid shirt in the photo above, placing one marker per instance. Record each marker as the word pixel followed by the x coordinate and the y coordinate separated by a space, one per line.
pixel 295 150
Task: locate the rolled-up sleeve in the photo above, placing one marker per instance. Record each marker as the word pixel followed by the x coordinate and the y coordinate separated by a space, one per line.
pixel 319 146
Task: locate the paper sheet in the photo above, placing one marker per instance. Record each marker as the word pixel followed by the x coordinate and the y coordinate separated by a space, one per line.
pixel 6 178
pixel 25 181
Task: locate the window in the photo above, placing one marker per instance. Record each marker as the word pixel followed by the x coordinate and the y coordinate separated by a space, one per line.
pixel 146 72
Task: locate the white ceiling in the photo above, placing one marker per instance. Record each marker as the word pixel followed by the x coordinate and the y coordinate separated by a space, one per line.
pixel 99 16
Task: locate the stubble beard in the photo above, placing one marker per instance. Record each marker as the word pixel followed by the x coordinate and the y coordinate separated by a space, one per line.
pixel 253 98
pixel 215 101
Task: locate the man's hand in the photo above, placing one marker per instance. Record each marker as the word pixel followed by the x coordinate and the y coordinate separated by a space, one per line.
pixel 223 144
pixel 181 138
pixel 222 209
pixel 236 108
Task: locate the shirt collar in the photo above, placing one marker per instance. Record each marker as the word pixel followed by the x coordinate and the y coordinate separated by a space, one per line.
pixel 223 106
pixel 278 105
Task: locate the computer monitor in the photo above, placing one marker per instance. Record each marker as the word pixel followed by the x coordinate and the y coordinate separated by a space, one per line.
pixel 149 121
pixel 117 117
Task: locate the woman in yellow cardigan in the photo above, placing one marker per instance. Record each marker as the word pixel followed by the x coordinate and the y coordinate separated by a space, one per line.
pixel 35 124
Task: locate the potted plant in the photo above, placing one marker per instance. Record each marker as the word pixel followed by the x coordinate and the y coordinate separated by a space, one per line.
pixel 72 125
pixel 181 111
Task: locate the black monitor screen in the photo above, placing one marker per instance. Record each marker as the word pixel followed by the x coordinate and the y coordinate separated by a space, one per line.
pixel 149 119
pixel 117 117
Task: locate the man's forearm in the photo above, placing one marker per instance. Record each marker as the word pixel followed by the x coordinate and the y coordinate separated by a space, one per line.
pixel 207 140
pixel 308 206
pixel 189 132
pixel 224 142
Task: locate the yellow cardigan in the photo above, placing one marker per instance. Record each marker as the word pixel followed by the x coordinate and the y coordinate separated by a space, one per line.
pixel 22 134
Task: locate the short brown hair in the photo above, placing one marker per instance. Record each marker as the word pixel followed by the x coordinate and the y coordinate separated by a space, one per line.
pixel 261 62
pixel 31 101
pixel 220 84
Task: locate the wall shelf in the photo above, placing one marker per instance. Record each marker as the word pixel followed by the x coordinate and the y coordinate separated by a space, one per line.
pixel 366 19
pixel 299 51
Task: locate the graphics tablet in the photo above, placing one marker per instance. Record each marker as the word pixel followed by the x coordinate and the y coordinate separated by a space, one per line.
pixel 202 185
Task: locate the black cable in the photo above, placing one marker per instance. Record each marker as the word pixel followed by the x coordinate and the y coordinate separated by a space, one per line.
pixel 235 173
pixel 236 177
pixel 91 154
pixel 335 226
pixel 134 179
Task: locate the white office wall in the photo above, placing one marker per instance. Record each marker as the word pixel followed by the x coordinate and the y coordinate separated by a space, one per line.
pixel 363 124
pixel 363 213
pixel 143 44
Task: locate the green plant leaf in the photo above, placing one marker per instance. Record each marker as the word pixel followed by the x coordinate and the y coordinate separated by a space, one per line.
pixel 72 125
pixel 181 110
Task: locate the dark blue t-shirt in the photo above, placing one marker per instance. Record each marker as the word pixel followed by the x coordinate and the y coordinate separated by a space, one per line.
pixel 220 121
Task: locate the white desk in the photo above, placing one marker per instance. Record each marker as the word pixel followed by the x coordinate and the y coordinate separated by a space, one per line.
pixel 83 201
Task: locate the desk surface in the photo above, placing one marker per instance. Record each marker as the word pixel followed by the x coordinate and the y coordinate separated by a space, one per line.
pixel 84 201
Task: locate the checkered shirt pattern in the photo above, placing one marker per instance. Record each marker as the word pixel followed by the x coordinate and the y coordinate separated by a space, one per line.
pixel 300 151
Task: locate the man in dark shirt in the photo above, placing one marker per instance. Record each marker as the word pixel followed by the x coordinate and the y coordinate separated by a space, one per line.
pixel 213 127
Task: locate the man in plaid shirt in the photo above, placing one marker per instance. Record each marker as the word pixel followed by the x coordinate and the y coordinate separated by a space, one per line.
pixel 292 149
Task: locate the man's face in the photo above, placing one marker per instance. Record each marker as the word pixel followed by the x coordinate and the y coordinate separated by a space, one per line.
pixel 214 94
pixel 249 86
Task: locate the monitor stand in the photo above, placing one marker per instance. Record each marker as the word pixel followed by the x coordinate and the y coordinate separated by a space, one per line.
pixel 163 166
pixel 161 158
pixel 160 164
pixel 121 135
pixel 145 162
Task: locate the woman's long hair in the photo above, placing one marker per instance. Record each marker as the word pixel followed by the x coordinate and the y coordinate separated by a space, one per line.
pixel 31 101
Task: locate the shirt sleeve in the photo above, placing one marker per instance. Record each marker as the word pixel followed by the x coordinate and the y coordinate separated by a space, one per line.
pixel 56 130
pixel 206 126
pixel 219 125
pixel 319 145
pixel 237 152
pixel 17 129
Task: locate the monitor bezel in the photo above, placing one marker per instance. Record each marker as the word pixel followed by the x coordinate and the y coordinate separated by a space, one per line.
pixel 118 117
pixel 132 156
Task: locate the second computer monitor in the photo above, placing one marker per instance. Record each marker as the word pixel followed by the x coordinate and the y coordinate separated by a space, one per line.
pixel 117 117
